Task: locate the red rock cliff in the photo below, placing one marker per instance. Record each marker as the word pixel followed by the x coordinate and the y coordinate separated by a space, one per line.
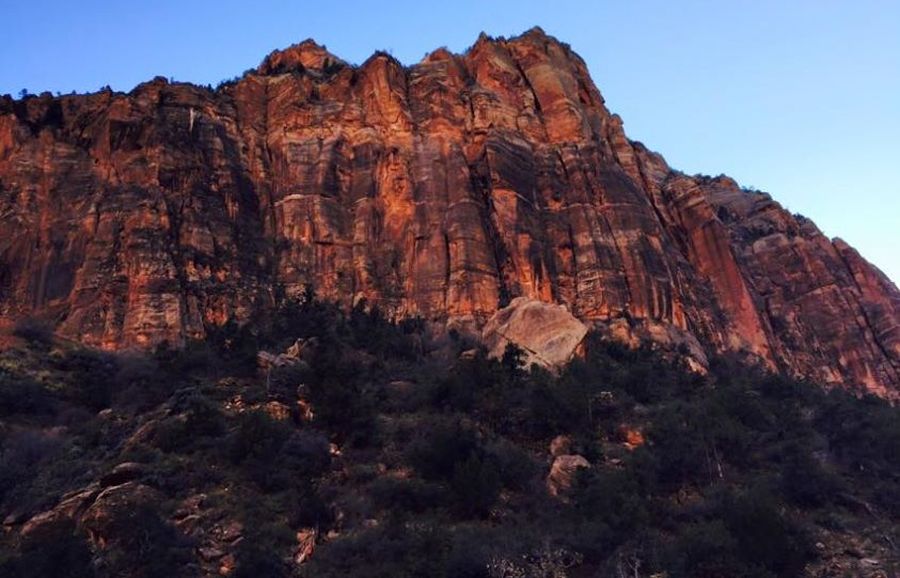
pixel 443 189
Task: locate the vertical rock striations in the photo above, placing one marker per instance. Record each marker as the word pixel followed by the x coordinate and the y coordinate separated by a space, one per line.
pixel 444 190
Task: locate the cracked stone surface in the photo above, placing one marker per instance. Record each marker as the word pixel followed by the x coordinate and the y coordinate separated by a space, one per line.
pixel 444 190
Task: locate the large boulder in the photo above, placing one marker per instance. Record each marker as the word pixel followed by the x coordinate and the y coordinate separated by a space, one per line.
pixel 563 472
pixel 100 519
pixel 122 473
pixel 548 334
pixel 70 507
pixel 560 446
pixel 306 545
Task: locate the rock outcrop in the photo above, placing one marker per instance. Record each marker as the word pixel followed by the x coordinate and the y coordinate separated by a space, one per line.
pixel 547 334
pixel 444 189
pixel 563 473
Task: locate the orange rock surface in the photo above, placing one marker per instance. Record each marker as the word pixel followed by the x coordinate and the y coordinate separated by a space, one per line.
pixel 444 189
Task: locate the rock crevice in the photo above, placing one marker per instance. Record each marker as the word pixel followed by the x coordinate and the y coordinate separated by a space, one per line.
pixel 446 189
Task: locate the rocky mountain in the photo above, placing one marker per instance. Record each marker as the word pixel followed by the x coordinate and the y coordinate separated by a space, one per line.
pixel 443 190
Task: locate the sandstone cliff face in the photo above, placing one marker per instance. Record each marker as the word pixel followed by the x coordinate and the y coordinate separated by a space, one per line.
pixel 444 190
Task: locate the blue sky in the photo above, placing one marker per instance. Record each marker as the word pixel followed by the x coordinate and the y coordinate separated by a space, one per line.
pixel 799 98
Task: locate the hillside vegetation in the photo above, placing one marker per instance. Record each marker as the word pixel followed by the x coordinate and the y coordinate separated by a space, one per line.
pixel 383 451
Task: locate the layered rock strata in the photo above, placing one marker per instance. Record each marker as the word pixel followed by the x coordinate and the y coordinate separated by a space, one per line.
pixel 443 189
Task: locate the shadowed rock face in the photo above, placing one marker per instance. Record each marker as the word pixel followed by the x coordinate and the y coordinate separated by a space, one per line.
pixel 443 190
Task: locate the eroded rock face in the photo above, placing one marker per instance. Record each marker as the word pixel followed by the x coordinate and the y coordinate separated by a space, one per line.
pixel 445 189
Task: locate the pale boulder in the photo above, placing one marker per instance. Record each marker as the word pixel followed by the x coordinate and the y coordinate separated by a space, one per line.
pixel 548 334
pixel 563 472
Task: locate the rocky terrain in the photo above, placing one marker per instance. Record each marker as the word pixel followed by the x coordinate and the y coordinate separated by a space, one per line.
pixel 441 190
pixel 334 443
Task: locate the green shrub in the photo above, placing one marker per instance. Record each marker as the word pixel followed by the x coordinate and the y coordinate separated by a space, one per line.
pixel 390 551
pixel 144 545
pixel 24 455
pixel 257 437
pixel 469 555
pixel 339 391
pixel 141 383
pixel 310 508
pixel 204 418
pixel 806 482
pixel 256 444
pixel 742 534
pixel 90 375
pixel 764 535
pixel 517 469
pixel 475 485
pixel 23 395
pixel 407 495
pixel 236 346
pixel 437 451
pixel 863 433
pixel 172 435
pixel 452 453
pixel 197 419
pixel 608 507
pixel 305 454
pixel 255 560
pixel 705 550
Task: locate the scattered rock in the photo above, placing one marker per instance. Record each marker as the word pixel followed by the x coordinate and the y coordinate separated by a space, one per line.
pixel 561 445
pixel 99 516
pixel 853 552
pixel 305 410
pixel 563 472
pixel 142 434
pixel 70 506
pixel 277 410
pixel 695 366
pixel 15 518
pixel 306 544
pixel 124 472
pixel 229 532
pixel 302 348
pixel 293 356
pixel 401 386
pixel 268 360
pixel 226 565
pixel 631 437
pixel 209 553
pixel 189 525
pixel 190 506
pixel 39 520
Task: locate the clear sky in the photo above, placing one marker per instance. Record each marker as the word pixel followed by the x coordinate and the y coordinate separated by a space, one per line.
pixel 799 98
